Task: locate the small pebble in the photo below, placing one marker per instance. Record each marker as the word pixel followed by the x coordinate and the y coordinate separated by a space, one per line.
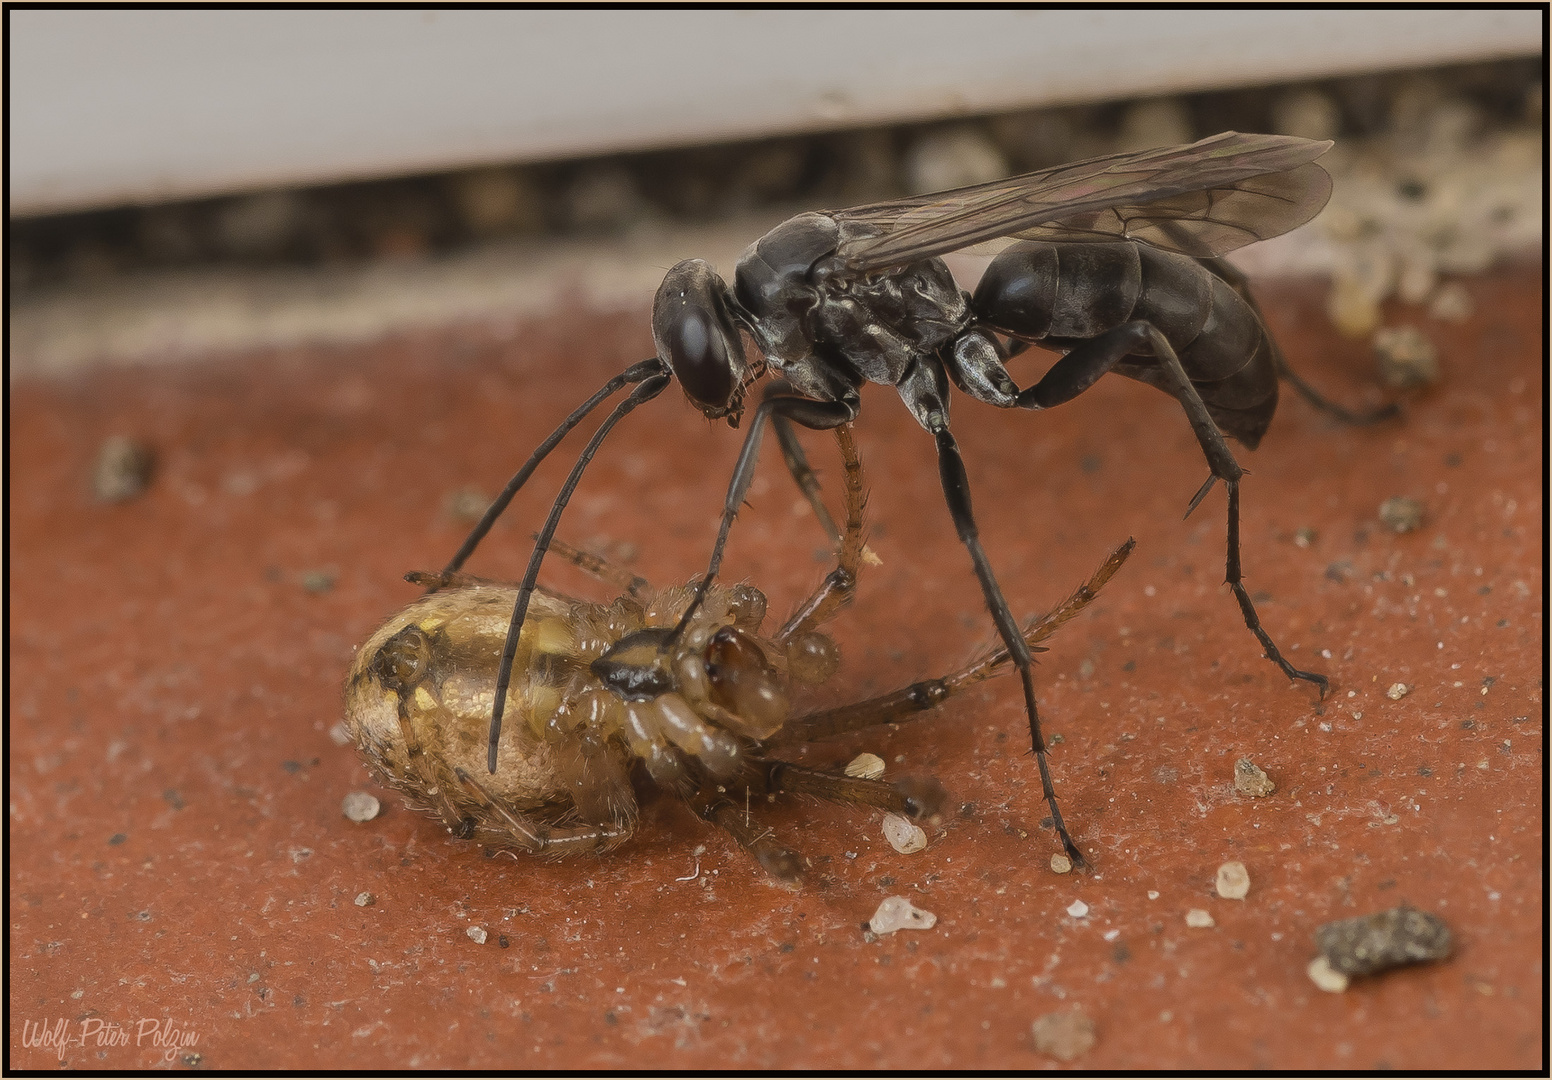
pixel 339 734
pixel 1250 780
pixel 1385 940
pixel 466 504
pixel 1398 691
pixel 1233 881
pixel 1154 122
pixel 602 196
pixel 319 581
pixel 1198 919
pixel 1402 514
pixel 1406 356
pixel 477 934
pixel 1323 975
pixel 123 469
pixel 865 767
pixel 1063 1035
pixel 953 157
pixel 1309 114
pixel 1061 863
pixel 361 806
pixel 1452 303
pixel 904 835
pixel 365 899
pixel 898 913
pixel 1077 909
pixel 1153 894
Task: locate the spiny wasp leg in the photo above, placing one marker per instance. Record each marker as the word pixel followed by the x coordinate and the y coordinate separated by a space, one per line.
pixel 836 591
pixel 911 701
pixel 1224 467
pixel 778 400
pixel 956 491
pixel 803 476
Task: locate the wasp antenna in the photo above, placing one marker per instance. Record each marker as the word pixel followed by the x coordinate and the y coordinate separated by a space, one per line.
pixel 650 387
pixel 636 373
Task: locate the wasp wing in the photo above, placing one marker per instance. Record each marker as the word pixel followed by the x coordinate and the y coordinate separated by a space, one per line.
pixel 1204 199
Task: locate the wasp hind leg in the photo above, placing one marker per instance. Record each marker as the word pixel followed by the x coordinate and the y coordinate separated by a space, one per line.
pixel 1144 338
pixel 1235 278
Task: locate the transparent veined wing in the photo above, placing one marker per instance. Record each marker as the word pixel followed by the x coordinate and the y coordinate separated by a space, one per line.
pixel 1206 198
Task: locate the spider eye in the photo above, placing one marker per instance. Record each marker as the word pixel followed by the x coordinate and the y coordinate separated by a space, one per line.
pixel 695 334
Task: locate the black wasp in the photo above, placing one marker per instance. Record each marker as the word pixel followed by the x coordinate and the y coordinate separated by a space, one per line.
pixel 1119 270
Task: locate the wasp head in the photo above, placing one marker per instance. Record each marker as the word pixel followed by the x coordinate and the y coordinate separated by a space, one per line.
pixel 695 332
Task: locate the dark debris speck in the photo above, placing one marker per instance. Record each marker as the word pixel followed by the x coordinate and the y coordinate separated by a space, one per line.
pixel 1387 939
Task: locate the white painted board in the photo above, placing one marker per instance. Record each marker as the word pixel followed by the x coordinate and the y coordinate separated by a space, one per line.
pixel 116 106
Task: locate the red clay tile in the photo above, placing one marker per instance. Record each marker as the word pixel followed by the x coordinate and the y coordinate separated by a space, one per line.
pixel 178 851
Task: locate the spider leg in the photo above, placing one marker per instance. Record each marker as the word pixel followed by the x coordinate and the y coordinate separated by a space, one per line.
pixel 911 701
pixel 778 860
pixel 532 835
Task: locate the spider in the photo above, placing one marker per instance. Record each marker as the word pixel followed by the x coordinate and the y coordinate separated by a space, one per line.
pixel 598 697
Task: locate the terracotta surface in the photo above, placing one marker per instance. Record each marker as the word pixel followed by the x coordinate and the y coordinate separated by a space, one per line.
pixel 178 851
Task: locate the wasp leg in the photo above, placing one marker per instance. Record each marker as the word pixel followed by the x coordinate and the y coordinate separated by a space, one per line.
pixel 914 798
pixel 924 390
pixel 1078 370
pixel 803 476
pixel 534 836
pixel 601 568
pixel 777 860
pixel 1235 278
pixel 838 587
pixel 778 401
pixel 910 701
pixel 651 387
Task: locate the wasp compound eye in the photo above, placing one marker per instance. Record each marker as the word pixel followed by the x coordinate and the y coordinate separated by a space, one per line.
pixel 695 334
